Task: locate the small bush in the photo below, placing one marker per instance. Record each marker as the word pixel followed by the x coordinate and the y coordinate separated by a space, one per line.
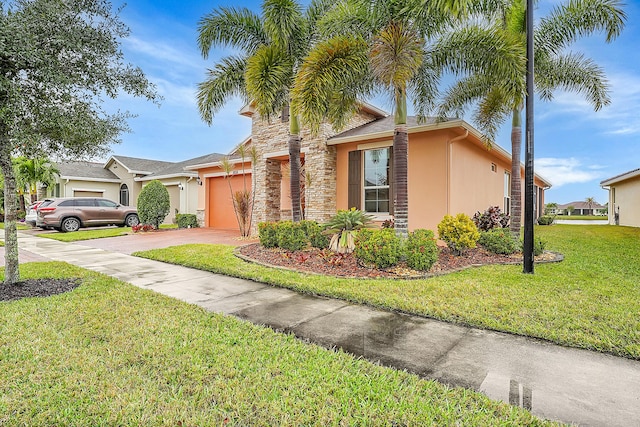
pixel 187 221
pixel 539 246
pixel 268 234
pixel 291 236
pixel 492 218
pixel 343 226
pixel 388 223
pixel 421 250
pixel 381 248
pixel 153 203
pixel 314 234
pixel 459 232
pixel 545 220
pixel 142 227
pixel 498 241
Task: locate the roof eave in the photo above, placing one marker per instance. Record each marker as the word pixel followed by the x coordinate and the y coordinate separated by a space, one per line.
pixel 168 176
pixel 620 178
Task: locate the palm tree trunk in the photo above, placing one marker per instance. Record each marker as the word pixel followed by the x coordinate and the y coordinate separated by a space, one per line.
pixel 11 269
pixel 516 184
pixel 400 166
pixel 294 162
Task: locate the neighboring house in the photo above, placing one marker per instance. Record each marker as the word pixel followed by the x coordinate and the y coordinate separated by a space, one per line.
pixel 122 178
pixel 451 170
pixel 580 208
pixel 624 198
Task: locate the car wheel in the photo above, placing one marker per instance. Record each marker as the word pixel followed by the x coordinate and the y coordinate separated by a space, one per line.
pixel 132 220
pixel 70 224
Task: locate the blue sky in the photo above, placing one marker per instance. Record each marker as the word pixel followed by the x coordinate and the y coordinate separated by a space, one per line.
pixel 575 147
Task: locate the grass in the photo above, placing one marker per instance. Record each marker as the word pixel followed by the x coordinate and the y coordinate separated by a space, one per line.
pixel 582 217
pixel 97 233
pixel 19 226
pixel 590 300
pixel 109 353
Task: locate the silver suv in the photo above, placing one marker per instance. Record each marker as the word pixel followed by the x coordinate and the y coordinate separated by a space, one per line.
pixel 71 213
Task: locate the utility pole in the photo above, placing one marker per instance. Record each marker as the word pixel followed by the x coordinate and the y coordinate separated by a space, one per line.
pixel 528 159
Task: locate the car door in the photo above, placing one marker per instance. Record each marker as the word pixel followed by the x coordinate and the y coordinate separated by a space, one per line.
pixel 87 210
pixel 109 212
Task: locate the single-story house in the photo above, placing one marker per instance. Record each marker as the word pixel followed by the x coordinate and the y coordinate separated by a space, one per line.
pixel 580 208
pixel 624 198
pixel 451 170
pixel 122 178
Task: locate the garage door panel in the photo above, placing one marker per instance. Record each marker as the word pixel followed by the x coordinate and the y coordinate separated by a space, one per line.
pixel 221 212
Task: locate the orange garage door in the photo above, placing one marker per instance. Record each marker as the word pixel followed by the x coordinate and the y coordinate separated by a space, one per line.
pixel 221 213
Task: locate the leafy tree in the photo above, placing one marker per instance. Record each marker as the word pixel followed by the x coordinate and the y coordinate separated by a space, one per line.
pixel 57 61
pixel 31 172
pixel 499 96
pixel 550 208
pixel 590 201
pixel 153 203
pixel 271 47
pixel 570 209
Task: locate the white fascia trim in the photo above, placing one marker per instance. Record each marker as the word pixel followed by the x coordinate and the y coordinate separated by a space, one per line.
pixel 124 166
pixel 273 154
pixel 620 178
pixel 81 178
pixel 173 175
pixel 214 164
pixel 219 174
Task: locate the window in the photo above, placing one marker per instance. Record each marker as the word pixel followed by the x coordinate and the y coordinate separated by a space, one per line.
pixel 494 168
pixel 104 203
pixel 84 202
pixel 376 180
pixel 507 193
pixel 124 195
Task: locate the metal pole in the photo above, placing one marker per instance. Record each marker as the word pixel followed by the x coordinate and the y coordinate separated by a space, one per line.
pixel 528 162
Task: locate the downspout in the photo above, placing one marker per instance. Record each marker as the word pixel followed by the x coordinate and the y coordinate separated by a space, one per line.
pixel 450 165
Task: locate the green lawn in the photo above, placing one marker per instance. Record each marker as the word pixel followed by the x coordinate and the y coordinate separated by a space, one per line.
pixel 581 217
pixel 97 233
pixel 109 353
pixel 590 300
pixel 19 226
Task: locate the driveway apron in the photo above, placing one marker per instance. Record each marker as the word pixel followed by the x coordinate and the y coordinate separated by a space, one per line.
pixel 558 383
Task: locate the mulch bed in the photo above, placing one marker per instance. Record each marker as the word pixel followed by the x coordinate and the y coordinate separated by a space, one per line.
pixel 37 288
pixel 345 265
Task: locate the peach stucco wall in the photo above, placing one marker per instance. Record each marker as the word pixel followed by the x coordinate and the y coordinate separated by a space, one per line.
pixel 445 176
pixel 627 198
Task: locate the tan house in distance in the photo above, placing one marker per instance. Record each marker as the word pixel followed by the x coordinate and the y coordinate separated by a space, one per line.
pixel 624 198
pixel 451 170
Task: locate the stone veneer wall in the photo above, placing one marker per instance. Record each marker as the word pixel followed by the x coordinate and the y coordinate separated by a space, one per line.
pixel 320 163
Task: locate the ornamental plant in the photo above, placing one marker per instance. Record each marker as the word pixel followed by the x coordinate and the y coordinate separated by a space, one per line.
pixel 291 236
pixel 458 232
pixel 344 226
pixel 153 203
pixel 381 248
pixel 498 241
pixel 421 250
pixel 268 234
pixel 492 218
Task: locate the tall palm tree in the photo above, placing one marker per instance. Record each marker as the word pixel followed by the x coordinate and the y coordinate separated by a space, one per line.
pixel 380 45
pixel 590 201
pixel 31 172
pixel 496 97
pixel 271 47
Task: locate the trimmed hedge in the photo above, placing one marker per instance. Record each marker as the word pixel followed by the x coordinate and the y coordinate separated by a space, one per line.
pixel 459 232
pixel 381 247
pixel 421 250
pixel 187 221
pixel 498 241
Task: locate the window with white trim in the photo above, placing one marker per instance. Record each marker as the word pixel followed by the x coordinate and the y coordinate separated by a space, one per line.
pixel 507 193
pixel 376 180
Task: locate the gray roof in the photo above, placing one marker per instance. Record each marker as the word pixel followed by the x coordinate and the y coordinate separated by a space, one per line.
pixel 142 165
pixel 382 125
pixel 179 168
pixel 81 169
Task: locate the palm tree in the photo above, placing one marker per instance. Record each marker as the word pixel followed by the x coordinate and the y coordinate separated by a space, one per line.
pixel 271 49
pixel 497 97
pixel 590 201
pixel 379 45
pixel 32 173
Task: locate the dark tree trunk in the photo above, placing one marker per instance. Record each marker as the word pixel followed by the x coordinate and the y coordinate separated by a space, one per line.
pixel 516 184
pixel 294 162
pixel 11 270
pixel 400 172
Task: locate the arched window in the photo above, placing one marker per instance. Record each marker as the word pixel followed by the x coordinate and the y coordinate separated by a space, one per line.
pixel 124 195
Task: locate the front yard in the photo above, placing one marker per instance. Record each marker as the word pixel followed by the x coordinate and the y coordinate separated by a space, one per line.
pixel 109 353
pixel 590 300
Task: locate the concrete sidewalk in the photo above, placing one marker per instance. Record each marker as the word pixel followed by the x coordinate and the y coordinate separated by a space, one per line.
pixel 554 382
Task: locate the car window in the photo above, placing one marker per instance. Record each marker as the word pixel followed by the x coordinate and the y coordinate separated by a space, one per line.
pixel 45 203
pixel 85 202
pixel 66 203
pixel 106 203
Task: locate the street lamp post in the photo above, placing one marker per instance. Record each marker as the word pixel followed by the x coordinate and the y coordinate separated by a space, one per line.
pixel 528 162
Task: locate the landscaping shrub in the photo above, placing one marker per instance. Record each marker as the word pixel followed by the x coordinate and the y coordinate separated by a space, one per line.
pixel 314 234
pixel 344 224
pixel 498 241
pixel 459 232
pixel 291 236
pixel 545 220
pixel 538 246
pixel 492 218
pixel 142 227
pixel 153 203
pixel 187 221
pixel 268 234
pixel 421 250
pixel 381 247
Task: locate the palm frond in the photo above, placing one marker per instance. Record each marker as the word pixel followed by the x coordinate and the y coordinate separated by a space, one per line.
pixel 284 22
pixel 268 77
pixel 239 28
pixel 574 73
pixel 492 111
pixel 579 18
pixel 423 88
pixel 224 81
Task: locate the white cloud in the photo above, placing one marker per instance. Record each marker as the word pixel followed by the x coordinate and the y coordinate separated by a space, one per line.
pixel 561 171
